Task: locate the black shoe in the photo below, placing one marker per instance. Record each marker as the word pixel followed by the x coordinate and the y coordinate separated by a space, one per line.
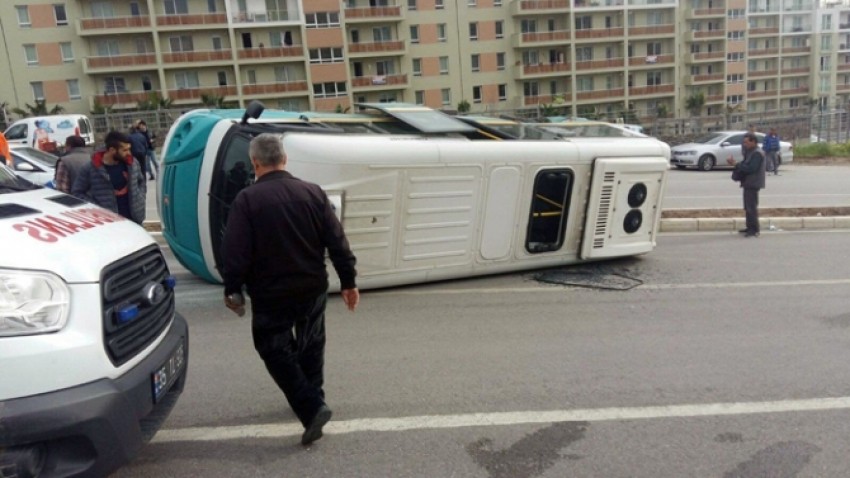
pixel 743 231
pixel 314 430
pixel 751 234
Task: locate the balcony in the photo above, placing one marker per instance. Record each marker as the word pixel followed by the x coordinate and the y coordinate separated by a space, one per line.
pixel 275 88
pixel 711 78
pixel 843 67
pixel 293 52
pixel 763 52
pixel 800 29
pixel 218 20
pixel 601 94
pixel 761 94
pixel 799 71
pixel 183 94
pixel 702 35
pixel 542 99
pixel 543 70
pixel 371 14
pixel 708 56
pixel 540 6
pixel 842 88
pixel 598 3
pixel 595 33
pixel 600 64
pixel 382 47
pixel 715 99
pixel 652 3
pixel 103 64
pixel 197 56
pixel 763 73
pixel 129 98
pixel 651 90
pixel 764 31
pixel 265 16
pixel 379 81
pixel 709 12
pixel 800 90
pixel 763 9
pixel 652 30
pixel 651 60
pixel 112 25
pixel 796 49
pixel 541 38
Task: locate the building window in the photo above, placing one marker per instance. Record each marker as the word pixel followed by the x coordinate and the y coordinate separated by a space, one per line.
pixel 584 83
pixel 59 13
pixel 37 90
pixel 476 94
pixel 653 78
pixel 252 77
pixel 67 52
pixel 181 44
pixel 322 20
pixel 734 99
pixel 186 80
pixel 280 38
pixel 441 32
pixel 419 96
pixel 217 44
pixel 114 84
pixel 411 4
pixel 503 92
pixel 414 33
pixel 446 95
pixel 381 34
pixel 473 31
pixel 438 4
pixel 284 74
pixel 653 48
pixel 176 7
pixel 497 3
pixel 74 89
pixel 222 78
pixel 530 89
pixel 584 54
pixel 326 55
pixel 476 62
pixel 211 6
pixel 500 29
pixel 444 65
pixel 31 55
pixel 734 57
pixel 471 3
pixel 735 35
pixel 736 78
pixel 500 61
pixel 584 22
pixel 23 16
pixel 417 67
pixel 329 90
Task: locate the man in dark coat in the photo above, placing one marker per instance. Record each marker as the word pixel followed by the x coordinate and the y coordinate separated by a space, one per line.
pixel 278 231
pixel 751 174
pixel 77 155
pixel 139 145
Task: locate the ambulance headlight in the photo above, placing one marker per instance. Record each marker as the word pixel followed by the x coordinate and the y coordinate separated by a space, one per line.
pixel 32 303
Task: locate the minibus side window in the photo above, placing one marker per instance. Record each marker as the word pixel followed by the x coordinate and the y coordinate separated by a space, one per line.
pixel 233 173
pixel 550 203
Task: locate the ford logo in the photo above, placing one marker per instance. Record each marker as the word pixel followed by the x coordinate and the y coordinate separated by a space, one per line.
pixel 153 293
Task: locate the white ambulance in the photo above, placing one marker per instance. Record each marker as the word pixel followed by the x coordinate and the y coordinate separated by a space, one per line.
pixel 93 354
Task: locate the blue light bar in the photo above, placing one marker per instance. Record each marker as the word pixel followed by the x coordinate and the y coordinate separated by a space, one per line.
pixel 170 282
pixel 126 313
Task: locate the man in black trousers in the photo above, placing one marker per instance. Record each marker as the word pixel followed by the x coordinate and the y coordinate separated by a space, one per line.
pixel 750 172
pixel 277 233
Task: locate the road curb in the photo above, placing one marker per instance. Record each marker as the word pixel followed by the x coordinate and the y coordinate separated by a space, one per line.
pixel 705 224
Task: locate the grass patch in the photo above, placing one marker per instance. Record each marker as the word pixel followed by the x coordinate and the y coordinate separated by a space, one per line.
pixel 822 150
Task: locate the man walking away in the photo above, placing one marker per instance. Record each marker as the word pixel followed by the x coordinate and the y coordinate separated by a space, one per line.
pixel 113 180
pixel 277 233
pixel 77 155
pixel 771 151
pixel 750 172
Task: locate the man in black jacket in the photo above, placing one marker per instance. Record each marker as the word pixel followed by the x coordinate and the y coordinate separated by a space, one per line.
pixel 277 233
pixel 751 171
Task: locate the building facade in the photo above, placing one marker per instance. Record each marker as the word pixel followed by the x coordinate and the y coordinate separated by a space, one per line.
pixel 598 57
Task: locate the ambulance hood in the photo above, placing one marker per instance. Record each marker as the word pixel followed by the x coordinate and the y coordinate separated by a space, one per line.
pixel 46 230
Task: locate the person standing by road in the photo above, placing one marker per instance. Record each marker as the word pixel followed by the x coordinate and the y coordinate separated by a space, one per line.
pixel 277 233
pixel 113 180
pixel 139 146
pixel 77 155
pixel 770 146
pixel 750 172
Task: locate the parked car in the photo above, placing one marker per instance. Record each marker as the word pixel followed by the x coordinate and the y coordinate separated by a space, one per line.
pixel 711 150
pixel 34 165
pixel 48 133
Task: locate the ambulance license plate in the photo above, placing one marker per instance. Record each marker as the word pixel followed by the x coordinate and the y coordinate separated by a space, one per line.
pixel 167 374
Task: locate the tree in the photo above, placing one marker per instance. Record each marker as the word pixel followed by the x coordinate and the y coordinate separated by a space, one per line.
pixel 39 109
pixel 463 107
pixel 100 109
pixel 694 103
pixel 661 111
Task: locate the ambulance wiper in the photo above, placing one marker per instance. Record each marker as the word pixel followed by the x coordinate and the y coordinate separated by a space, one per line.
pixel 16 188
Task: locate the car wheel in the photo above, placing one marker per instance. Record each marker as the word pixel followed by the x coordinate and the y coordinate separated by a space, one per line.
pixel 706 162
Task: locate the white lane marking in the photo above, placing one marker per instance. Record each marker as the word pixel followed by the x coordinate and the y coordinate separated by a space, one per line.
pixel 503 419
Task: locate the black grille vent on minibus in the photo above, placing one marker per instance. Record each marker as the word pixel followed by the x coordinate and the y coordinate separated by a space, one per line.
pixel 122 285
pixel 66 200
pixel 15 210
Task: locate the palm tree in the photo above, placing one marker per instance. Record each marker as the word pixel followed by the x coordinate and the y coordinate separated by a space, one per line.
pixel 694 105
pixel 39 109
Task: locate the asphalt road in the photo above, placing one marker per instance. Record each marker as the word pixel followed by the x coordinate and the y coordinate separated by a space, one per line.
pixel 727 359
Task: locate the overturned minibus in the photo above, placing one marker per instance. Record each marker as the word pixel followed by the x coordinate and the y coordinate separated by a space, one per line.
pixel 425 207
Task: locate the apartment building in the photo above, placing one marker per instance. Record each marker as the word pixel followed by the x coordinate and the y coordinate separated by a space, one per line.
pixel 603 57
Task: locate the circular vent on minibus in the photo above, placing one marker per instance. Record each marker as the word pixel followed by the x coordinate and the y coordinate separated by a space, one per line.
pixel 633 220
pixel 637 195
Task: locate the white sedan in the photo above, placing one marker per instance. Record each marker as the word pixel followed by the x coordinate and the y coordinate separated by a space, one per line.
pixel 711 150
pixel 34 165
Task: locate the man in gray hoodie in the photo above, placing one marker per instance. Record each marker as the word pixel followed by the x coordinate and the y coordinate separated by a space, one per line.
pixel 77 155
